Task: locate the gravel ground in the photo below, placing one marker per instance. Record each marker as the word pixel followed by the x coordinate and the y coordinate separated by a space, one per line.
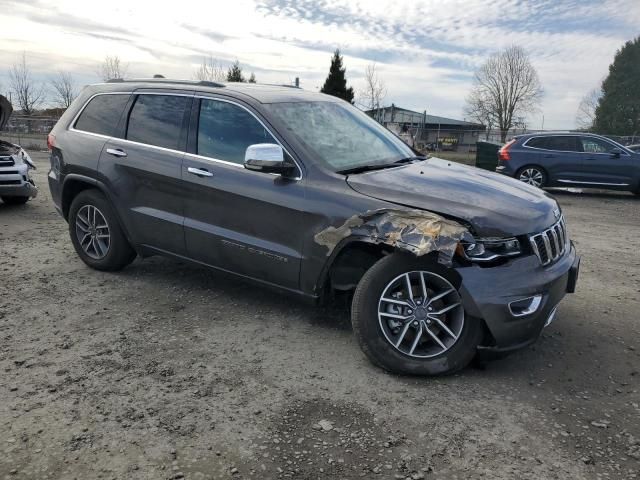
pixel 166 370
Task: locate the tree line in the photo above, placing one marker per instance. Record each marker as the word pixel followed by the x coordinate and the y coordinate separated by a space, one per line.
pixel 61 89
pixel 505 89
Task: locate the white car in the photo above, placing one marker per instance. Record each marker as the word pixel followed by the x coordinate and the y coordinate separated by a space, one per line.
pixel 16 185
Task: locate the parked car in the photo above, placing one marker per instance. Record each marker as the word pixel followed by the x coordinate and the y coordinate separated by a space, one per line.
pixel 16 185
pixel 634 148
pixel 570 160
pixel 304 193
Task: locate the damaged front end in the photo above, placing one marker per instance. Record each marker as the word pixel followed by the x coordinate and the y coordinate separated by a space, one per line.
pixel 416 231
pixel 15 164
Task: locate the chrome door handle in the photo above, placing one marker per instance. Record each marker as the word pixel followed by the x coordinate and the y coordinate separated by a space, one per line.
pixel 200 172
pixel 116 152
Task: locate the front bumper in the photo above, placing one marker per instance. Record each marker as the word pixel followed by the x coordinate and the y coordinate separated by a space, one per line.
pixel 15 182
pixel 488 292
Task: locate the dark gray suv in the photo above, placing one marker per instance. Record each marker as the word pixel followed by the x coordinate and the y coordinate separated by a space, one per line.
pixel 306 194
pixel 570 160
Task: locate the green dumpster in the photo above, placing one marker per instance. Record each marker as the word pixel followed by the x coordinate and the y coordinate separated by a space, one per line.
pixel 487 155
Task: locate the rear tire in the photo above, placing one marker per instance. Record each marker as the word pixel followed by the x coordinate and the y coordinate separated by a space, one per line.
pixel 15 200
pixel 533 175
pixel 375 334
pixel 96 233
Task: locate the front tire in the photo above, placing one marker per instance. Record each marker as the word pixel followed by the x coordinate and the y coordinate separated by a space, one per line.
pixel 96 233
pixel 15 200
pixel 417 331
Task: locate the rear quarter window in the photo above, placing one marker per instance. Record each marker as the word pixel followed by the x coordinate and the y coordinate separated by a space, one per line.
pixel 102 114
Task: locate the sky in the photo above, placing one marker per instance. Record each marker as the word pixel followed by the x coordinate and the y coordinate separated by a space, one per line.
pixel 426 51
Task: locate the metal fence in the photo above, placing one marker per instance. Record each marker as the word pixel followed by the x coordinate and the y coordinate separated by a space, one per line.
pixel 29 132
pixel 445 139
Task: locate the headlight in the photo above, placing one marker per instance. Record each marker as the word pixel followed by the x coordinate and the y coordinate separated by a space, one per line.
pixel 487 249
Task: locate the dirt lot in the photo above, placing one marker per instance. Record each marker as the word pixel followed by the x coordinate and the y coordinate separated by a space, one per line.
pixel 167 370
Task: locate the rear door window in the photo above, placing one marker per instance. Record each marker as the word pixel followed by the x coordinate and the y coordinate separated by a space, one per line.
pixel 102 114
pixel 158 120
pixel 562 143
pixel 596 145
pixel 537 142
pixel 226 130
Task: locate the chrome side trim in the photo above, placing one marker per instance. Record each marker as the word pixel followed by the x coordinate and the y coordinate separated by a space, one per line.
pixel 594 183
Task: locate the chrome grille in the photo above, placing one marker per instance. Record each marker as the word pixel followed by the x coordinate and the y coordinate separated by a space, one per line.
pixel 550 244
pixel 6 162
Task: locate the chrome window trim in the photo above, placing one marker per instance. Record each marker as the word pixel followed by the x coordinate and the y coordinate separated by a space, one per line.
pixel 165 149
pixel 524 145
pixel 202 157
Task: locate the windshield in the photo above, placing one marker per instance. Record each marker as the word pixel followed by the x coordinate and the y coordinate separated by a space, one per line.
pixel 339 135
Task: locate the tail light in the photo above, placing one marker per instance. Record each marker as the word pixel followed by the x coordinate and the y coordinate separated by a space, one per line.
pixel 503 153
pixel 51 141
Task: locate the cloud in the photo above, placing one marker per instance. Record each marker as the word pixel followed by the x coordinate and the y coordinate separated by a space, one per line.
pixel 426 50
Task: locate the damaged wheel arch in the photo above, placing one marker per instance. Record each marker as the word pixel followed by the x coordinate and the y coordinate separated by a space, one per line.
pixel 362 240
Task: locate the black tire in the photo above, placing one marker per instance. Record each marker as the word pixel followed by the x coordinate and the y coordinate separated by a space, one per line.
pixel 368 332
pixel 119 253
pixel 15 200
pixel 537 168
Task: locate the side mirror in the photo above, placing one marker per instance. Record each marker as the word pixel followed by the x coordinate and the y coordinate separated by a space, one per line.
pixel 615 152
pixel 267 158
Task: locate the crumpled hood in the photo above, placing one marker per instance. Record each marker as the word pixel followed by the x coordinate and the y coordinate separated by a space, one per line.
pixel 493 204
pixel 5 111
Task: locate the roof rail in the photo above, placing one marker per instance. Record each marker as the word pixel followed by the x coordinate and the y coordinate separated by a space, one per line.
pixel 203 83
pixel 287 86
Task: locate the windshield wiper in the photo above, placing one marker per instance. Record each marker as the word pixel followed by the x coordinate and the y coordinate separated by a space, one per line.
pixel 379 166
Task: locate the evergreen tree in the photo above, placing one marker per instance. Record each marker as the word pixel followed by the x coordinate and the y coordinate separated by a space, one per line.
pixel 618 110
pixel 252 78
pixel 234 74
pixel 336 82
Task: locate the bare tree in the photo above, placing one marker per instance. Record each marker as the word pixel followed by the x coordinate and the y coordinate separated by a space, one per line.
pixel 112 67
pixel 478 109
pixel 508 85
pixel 586 114
pixel 28 94
pixel 211 70
pixel 374 91
pixel 64 89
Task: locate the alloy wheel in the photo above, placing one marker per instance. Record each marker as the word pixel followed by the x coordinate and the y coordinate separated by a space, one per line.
pixel 532 176
pixel 92 231
pixel 421 314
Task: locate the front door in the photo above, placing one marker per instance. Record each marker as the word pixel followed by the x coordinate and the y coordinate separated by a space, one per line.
pixel 601 167
pixel 236 219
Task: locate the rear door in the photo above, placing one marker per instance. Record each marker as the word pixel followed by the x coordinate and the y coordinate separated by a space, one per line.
pixel 601 167
pixel 237 219
pixel 143 168
pixel 561 158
